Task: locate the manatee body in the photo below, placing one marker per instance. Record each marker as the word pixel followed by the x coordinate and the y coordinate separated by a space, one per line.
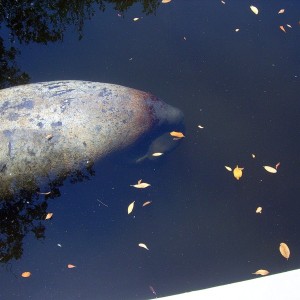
pixel 49 129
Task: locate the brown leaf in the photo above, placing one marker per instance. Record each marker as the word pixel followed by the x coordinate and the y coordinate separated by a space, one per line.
pixel 237 172
pixel 177 134
pixel 26 274
pixel 284 250
pixel 282 28
pixel 147 203
pixel 130 207
pixel 261 272
pixel 48 216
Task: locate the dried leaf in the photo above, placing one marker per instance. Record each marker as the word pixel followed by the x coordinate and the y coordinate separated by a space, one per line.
pixel 284 250
pixel 259 210
pixel 281 11
pixel 157 154
pixel 49 137
pixel 254 9
pixel 135 19
pixel 70 266
pixel 282 28
pixel 166 1
pixel 270 169
pixel 147 203
pixel 48 216
pixel 143 246
pixel 130 207
pixel 140 184
pixel 177 134
pixel 237 172
pixel 228 168
pixel 261 272
pixel 26 274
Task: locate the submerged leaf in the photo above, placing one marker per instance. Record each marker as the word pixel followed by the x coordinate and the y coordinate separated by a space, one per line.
pixel 237 172
pixel 284 250
pixel 270 169
pixel 130 207
pixel 254 9
pixel 143 246
pixel 261 272
pixel 147 203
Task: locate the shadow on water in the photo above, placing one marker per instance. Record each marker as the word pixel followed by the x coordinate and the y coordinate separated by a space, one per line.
pixel 46 21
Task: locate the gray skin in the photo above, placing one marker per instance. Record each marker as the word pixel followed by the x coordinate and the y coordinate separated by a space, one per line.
pixel 50 129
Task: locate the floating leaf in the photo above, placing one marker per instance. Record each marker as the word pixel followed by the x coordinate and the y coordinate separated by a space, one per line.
pixel 253 155
pixel 147 203
pixel 261 272
pixel 177 134
pixel 288 25
pixel 48 216
pixel 135 19
pixel 284 250
pixel 140 184
pixel 143 246
pixel 70 266
pixel 26 274
pixel 201 127
pixel 282 28
pixel 41 193
pixel 166 1
pixel 237 172
pixel 270 169
pixel 281 11
pixel 254 9
pixel 223 2
pixel 228 168
pixel 130 207
pixel 237 30
pixel 277 165
pixel 157 154
pixel 259 210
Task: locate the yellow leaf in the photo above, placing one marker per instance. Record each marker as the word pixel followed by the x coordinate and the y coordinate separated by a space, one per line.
pixel 143 246
pixel 261 272
pixel 166 1
pixel 157 154
pixel 70 266
pixel 237 172
pixel 259 210
pixel 254 9
pixel 284 250
pixel 26 274
pixel 140 184
pixel 177 134
pixel 228 168
pixel 48 216
pixel 147 203
pixel 281 11
pixel 270 169
pixel 282 28
pixel 130 207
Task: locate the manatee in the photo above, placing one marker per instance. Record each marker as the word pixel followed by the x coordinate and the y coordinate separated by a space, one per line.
pixel 50 129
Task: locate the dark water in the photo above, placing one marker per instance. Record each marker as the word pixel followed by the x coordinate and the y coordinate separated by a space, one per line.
pixel 201 227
